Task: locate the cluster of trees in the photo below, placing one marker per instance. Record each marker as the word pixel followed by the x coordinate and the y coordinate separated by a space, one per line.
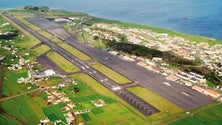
pixel 36 8
pixel 9 35
pixel 149 53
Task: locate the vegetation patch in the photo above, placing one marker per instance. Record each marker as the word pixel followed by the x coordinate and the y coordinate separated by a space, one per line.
pixel 210 116
pixel 166 107
pixel 6 120
pixel 45 34
pixel 62 62
pixel 115 105
pixel 28 41
pixel 86 117
pixel 21 17
pixel 97 111
pixel 75 52
pixel 40 50
pixel 10 85
pixel 56 40
pixel 118 78
pixel 26 108
pixel 54 112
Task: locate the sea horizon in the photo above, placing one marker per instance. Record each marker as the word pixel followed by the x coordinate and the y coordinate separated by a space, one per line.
pixel 194 17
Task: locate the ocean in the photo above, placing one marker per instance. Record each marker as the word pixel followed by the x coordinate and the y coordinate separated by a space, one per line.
pixel 198 17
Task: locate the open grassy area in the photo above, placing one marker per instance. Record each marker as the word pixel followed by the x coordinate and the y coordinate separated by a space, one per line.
pixel 118 78
pixel 62 62
pixel 45 33
pixel 40 50
pixel 26 108
pixel 56 40
pixel 51 81
pixel 22 16
pixel 116 106
pixel 54 112
pixel 10 85
pixel 80 39
pixel 166 107
pixel 212 116
pixel 75 52
pixel 29 41
pixel 6 120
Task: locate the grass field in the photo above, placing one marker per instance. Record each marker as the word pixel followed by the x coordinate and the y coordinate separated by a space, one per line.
pixel 116 106
pixel 54 112
pixel 118 78
pixel 40 50
pixel 26 15
pixel 56 40
pixel 75 52
pixel 166 107
pixel 26 108
pixel 10 85
pixel 29 41
pixel 80 39
pixel 45 34
pixel 62 62
pixel 212 116
pixel 6 120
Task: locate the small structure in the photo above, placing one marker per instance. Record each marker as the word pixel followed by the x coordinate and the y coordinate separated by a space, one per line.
pixel 141 63
pixel 98 102
pixel 211 93
pixel 197 88
pixel 45 73
pixel 1 57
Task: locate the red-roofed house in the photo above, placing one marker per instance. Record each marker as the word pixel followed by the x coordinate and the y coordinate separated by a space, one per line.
pixel 211 93
pixel 197 88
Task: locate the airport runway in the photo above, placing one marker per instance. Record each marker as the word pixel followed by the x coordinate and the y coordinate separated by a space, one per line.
pixel 181 95
pixel 135 101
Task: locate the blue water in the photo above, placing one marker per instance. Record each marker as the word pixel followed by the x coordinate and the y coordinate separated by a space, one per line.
pixel 199 17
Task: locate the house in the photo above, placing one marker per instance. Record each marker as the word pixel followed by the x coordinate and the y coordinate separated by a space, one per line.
pixel 172 77
pixel 141 63
pixel 197 88
pixel 211 93
pixel 1 57
pixel 157 59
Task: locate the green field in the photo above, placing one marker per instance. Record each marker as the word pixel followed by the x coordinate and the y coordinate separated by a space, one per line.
pixel 54 112
pixel 63 63
pixel 40 50
pixel 21 16
pixel 212 116
pixel 118 78
pixel 6 120
pixel 56 40
pixel 10 85
pixel 115 105
pixel 29 41
pixel 80 39
pixel 45 33
pixel 75 52
pixel 26 108
pixel 166 107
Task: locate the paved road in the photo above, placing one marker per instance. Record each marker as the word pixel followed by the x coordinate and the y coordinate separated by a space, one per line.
pixel 181 95
pixel 111 85
pixel 11 97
